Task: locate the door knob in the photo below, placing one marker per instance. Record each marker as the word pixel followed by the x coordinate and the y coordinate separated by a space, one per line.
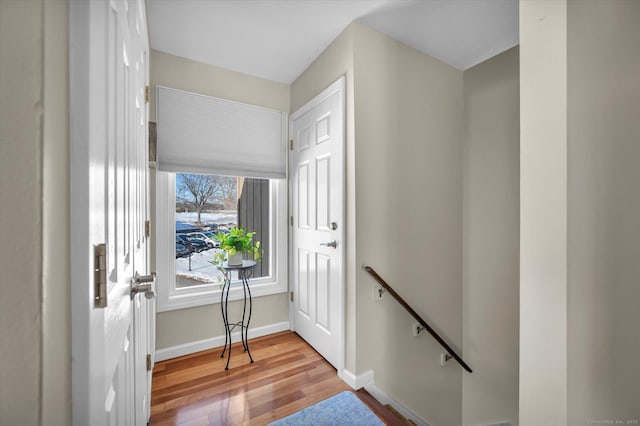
pixel 142 284
pixel 333 244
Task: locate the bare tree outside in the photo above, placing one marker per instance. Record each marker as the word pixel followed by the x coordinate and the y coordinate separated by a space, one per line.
pixel 199 191
pixel 227 190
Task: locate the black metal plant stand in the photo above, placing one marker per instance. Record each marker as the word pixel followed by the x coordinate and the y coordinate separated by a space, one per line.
pixel 244 273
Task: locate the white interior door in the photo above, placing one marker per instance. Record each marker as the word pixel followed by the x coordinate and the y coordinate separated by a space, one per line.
pixel 109 163
pixel 317 208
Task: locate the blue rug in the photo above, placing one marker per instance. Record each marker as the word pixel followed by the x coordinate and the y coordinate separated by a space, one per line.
pixel 342 409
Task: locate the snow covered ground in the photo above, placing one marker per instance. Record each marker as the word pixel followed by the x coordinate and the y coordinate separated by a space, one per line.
pixel 219 217
pixel 202 271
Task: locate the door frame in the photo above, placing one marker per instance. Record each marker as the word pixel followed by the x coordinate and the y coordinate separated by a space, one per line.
pixel 337 86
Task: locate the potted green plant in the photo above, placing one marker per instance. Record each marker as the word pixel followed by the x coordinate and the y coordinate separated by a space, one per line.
pixel 234 245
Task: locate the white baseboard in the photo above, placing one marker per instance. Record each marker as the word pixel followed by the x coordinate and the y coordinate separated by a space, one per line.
pixel 359 381
pixel 384 399
pixel 214 342
pixel 366 380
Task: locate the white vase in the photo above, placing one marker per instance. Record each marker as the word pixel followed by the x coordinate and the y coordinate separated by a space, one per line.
pixel 235 259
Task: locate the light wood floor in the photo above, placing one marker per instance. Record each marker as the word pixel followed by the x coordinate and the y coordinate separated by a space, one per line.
pixel 287 375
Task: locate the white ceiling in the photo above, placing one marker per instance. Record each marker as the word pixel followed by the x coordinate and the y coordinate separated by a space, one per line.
pixel 278 39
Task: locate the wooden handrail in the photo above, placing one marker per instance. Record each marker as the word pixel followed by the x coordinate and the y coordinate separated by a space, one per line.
pixel 417 317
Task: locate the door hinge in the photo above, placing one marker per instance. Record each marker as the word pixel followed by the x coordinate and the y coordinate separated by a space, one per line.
pixel 147 229
pixel 292 295
pixel 147 93
pixel 100 275
pixel 148 362
pixel 291 220
pixel 291 144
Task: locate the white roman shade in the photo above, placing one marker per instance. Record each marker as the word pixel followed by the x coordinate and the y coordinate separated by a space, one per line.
pixel 203 134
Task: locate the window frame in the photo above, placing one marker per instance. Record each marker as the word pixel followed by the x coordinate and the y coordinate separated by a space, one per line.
pixel 171 298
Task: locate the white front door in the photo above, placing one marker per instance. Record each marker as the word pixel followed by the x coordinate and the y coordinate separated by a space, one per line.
pixel 317 207
pixel 109 167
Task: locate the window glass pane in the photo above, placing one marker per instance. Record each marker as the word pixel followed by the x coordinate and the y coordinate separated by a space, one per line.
pixel 207 205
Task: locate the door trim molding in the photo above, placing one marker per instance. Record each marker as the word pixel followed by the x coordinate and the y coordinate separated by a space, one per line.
pixel 339 84
pixel 217 341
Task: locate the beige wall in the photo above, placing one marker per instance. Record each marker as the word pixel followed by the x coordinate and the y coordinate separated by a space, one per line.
pixel 491 201
pixel 543 213
pixel 185 74
pixel 203 322
pixel 603 125
pixel 408 114
pixel 34 229
pixel 335 61
pixel 21 79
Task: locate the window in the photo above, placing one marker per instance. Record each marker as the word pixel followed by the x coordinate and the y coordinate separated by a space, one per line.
pixel 208 137
pixel 191 209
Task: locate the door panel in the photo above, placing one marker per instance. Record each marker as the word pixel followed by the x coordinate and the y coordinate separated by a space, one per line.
pixel 323 290
pixel 304 283
pixel 317 179
pixel 304 139
pixel 322 129
pixel 302 175
pixel 118 402
pixel 323 192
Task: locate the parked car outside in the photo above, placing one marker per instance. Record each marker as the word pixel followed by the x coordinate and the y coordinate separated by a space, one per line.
pixel 224 228
pixel 211 242
pixel 193 243
pixel 212 227
pixel 212 236
pixel 198 243
pixel 181 250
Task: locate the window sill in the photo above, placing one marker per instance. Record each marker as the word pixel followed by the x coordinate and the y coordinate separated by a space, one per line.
pixel 211 294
